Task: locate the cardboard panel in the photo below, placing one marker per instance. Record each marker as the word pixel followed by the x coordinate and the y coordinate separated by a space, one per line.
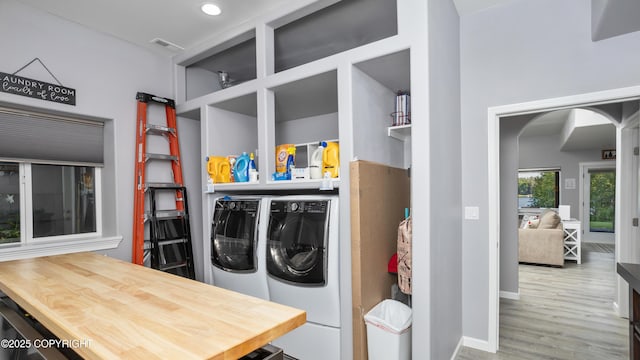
pixel 379 195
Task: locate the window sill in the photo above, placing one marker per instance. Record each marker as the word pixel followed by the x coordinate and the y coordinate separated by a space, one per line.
pixel 59 247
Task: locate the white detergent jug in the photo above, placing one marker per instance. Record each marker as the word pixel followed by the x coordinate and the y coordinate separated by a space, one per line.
pixel 315 165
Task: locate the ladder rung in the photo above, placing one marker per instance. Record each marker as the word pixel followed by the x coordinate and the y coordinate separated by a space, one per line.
pixel 173 266
pixel 153 129
pixel 150 156
pixel 165 214
pixel 172 241
pixel 162 186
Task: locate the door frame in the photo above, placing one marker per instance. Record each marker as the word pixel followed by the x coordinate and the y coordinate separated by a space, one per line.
pixel 584 168
pixel 493 164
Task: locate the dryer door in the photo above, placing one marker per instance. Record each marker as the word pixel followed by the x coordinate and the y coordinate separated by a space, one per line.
pixel 234 235
pixel 296 247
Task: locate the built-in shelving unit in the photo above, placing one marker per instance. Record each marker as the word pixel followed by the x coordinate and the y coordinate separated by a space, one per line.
pixel 303 77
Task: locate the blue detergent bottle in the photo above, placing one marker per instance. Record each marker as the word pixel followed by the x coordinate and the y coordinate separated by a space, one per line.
pixel 241 168
pixel 291 162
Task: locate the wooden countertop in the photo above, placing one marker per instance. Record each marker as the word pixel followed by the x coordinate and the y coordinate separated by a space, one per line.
pixel 126 311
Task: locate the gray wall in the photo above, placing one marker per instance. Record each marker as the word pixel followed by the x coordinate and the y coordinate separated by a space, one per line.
pixel 106 74
pixel 544 152
pixel 445 209
pixel 517 52
pixel 509 130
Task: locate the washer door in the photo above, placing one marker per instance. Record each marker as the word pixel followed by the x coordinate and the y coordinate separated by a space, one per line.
pixel 296 248
pixel 234 236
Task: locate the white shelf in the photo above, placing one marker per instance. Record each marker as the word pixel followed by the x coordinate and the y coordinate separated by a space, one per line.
pixel 273 185
pixel 400 132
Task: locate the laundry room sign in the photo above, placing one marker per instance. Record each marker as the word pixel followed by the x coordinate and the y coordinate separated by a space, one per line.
pixel 18 85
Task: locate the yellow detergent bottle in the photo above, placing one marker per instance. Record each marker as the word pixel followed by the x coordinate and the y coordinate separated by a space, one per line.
pixel 331 159
pixel 219 169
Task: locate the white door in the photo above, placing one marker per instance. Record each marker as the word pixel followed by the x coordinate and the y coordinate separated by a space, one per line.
pixel 599 186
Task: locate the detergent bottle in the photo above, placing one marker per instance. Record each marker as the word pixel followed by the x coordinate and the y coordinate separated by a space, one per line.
pixel 253 172
pixel 219 169
pixel 241 168
pixel 291 159
pixel 331 159
pixel 315 165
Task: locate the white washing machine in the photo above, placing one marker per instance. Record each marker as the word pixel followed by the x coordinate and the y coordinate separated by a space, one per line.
pixel 302 251
pixel 235 255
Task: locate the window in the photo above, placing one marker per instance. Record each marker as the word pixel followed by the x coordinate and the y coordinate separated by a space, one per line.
pixel 50 184
pixel 59 201
pixel 538 188
pixel 63 200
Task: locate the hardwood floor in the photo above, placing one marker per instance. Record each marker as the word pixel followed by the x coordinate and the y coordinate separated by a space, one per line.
pixel 563 313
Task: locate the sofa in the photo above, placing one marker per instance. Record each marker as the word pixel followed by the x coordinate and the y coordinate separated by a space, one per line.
pixel 542 241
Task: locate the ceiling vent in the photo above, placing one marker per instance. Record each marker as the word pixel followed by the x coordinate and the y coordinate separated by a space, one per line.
pixel 167 44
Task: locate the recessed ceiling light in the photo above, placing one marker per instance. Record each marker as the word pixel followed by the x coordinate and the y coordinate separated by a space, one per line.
pixel 211 9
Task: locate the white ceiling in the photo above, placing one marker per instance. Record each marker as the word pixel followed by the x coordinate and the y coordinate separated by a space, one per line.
pixel 180 22
pixel 594 137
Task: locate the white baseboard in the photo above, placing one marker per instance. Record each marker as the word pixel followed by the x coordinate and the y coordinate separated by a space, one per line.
pixel 457 350
pixel 616 309
pixel 476 343
pixel 510 295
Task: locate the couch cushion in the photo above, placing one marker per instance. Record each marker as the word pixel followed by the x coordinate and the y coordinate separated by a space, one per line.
pixel 549 220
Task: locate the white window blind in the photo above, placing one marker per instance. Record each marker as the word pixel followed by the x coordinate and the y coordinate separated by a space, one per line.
pixel 48 138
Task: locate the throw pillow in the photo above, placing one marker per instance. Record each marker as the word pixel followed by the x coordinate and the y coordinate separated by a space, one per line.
pixel 533 223
pixel 549 220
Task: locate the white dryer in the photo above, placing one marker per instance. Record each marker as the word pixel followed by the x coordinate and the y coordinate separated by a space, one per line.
pixel 236 252
pixel 302 264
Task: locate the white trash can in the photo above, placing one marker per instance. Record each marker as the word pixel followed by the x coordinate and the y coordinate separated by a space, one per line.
pixel 389 331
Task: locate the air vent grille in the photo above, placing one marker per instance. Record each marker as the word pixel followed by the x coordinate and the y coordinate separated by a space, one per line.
pixel 167 44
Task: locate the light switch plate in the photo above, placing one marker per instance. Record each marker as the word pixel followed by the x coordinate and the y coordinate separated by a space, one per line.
pixel 471 212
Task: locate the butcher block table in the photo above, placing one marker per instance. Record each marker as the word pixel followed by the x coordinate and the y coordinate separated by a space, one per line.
pixel 112 309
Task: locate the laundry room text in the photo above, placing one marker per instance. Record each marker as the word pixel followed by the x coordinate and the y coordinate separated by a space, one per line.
pixel 18 85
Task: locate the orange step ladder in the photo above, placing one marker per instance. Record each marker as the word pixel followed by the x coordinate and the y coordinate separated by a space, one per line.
pixel 169 246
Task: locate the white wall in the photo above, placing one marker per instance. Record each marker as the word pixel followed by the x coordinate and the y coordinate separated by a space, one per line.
pixel 511 53
pixel 106 74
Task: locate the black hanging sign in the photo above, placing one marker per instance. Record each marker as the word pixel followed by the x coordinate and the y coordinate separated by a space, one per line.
pixel 18 85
